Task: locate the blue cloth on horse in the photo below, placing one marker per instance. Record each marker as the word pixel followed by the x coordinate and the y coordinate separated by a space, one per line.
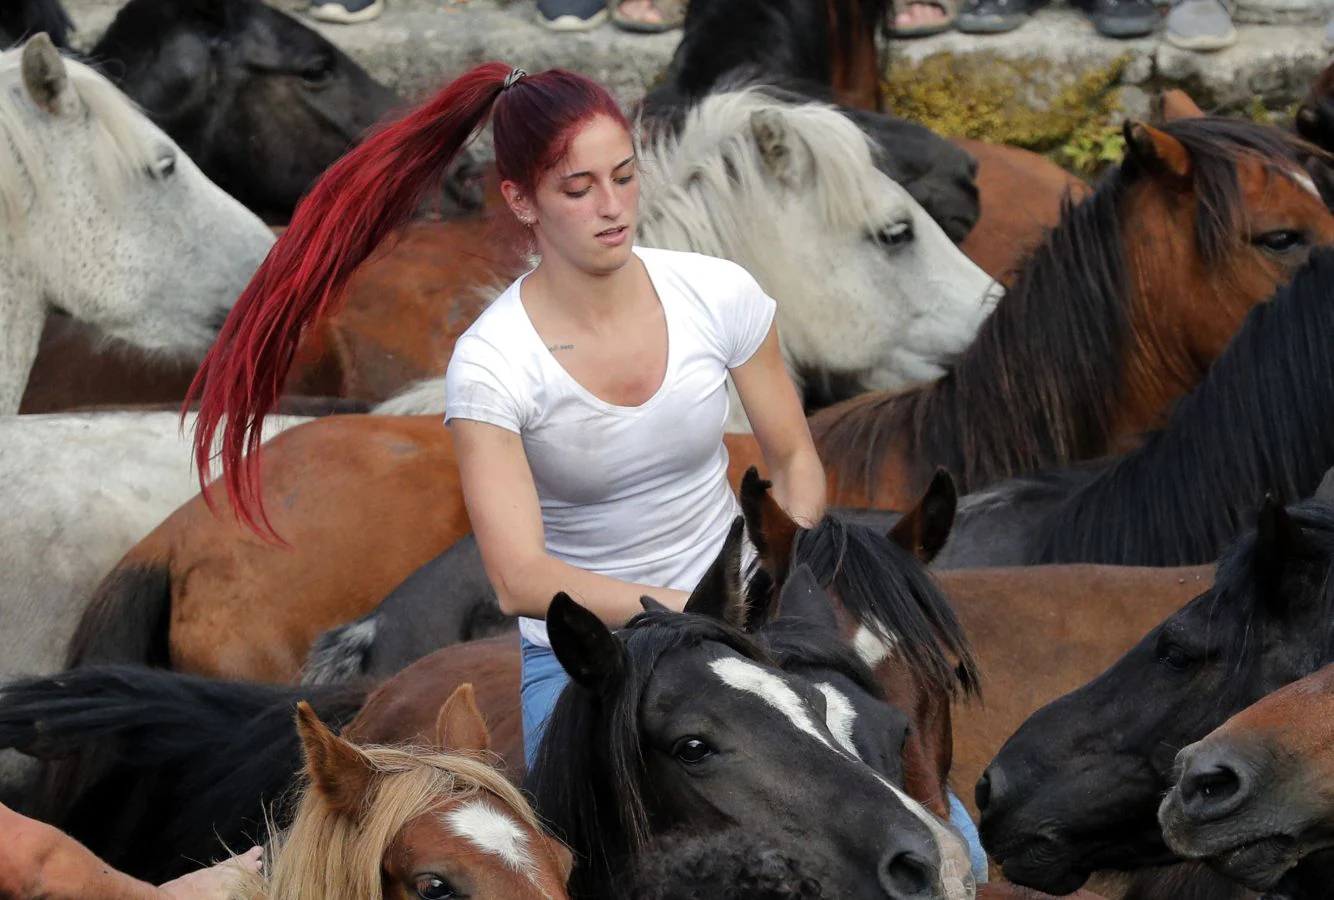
pixel 542 680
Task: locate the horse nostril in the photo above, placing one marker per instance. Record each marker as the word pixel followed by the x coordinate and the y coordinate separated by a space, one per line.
pixel 990 790
pixel 1208 788
pixel 907 876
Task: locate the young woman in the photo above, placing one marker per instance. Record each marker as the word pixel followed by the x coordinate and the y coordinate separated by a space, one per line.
pixel 587 403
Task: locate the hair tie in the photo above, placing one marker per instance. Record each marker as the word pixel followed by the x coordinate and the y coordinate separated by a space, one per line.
pixel 512 79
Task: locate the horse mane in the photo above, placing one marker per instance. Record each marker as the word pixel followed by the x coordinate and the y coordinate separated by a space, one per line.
pixel 138 28
pixel 595 800
pixel 153 769
pixel 120 149
pixel 1038 384
pixel 21 19
pixel 325 854
pixel 1261 421
pixel 713 155
pixel 729 865
pixel 888 590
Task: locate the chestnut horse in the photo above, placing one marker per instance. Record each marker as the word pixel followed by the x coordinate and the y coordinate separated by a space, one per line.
pixel 1115 317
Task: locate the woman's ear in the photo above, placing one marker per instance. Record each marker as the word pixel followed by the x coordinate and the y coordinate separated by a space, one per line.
pixel 520 203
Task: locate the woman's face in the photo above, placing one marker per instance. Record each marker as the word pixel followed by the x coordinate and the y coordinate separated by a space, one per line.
pixel 586 208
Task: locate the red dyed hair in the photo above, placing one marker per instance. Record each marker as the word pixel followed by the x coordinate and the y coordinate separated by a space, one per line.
pixel 362 199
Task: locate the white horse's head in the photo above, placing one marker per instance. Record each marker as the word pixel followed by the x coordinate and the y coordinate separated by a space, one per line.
pixel 867 284
pixel 103 216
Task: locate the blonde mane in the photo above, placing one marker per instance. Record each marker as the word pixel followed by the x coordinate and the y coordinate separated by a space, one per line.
pixel 708 189
pixel 118 145
pixel 325 855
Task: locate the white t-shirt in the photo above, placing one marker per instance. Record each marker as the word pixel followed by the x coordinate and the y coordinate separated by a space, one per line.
pixel 635 493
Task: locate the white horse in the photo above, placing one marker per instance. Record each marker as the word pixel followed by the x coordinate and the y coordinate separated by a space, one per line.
pixel 78 491
pixel 867 284
pixel 103 216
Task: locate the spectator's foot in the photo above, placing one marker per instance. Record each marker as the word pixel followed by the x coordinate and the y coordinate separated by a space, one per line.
pixel 217 882
pixel 1200 25
pixel 346 12
pixel 923 18
pixel 571 15
pixel 648 16
pixel 1124 18
pixel 992 16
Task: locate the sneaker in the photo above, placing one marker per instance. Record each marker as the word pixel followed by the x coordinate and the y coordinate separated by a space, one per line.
pixel 1124 18
pixel 346 12
pixel 992 16
pixel 571 15
pixel 1200 25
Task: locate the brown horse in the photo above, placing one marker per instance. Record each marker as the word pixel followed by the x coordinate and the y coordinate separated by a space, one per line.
pixel 1115 317
pixel 389 823
pixel 1253 797
pixel 406 306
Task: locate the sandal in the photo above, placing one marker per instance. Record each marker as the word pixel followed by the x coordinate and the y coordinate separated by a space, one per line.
pixel 672 13
pixel 950 8
pixel 993 16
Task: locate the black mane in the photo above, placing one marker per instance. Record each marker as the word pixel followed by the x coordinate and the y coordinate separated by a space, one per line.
pixel 1037 386
pixel 596 799
pixel 1262 421
pixel 21 19
pixel 887 589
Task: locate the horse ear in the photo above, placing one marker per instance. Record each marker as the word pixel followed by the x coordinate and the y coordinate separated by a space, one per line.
pixel 460 727
pixel 1156 150
pixel 1278 543
pixel 44 72
pixel 772 530
pixel 774 142
pixel 925 528
pixel 585 647
pixel 649 604
pixel 719 594
pixel 339 771
pixel 804 598
pixel 1177 104
pixel 1325 491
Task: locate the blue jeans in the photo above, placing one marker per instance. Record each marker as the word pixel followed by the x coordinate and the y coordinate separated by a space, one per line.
pixel 543 679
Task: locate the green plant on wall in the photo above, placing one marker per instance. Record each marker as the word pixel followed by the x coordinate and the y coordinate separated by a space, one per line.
pixel 1093 148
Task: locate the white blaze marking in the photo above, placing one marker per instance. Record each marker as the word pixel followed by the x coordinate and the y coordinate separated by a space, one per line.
pixel 491 831
pixel 871 647
pixel 1305 181
pixel 751 679
pixel 839 716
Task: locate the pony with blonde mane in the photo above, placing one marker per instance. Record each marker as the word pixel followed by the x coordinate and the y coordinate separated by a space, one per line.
pixel 868 286
pixel 376 823
pixel 102 216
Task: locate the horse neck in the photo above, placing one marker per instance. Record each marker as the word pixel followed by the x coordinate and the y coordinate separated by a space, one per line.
pixel 22 314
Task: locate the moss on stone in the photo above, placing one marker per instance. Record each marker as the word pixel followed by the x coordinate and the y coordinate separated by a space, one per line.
pixel 1033 103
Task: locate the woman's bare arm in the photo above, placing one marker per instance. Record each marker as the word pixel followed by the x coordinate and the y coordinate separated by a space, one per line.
pixel 779 423
pixel 507 519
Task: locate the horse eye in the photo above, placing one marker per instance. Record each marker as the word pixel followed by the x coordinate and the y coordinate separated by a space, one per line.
pixel 692 751
pixel 318 72
pixel 164 167
pixel 433 887
pixel 1173 656
pixel 895 235
pixel 1280 241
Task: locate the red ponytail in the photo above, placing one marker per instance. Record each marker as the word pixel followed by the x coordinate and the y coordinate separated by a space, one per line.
pixel 362 199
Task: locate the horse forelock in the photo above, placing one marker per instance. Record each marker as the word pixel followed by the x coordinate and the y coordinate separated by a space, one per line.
pixel 324 853
pixel 890 593
pixel 119 146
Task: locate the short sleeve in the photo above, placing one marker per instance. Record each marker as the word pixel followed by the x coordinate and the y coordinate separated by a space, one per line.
pixel 480 385
pixel 747 319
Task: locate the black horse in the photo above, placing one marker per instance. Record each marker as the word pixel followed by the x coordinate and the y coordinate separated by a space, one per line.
pixel 259 101
pixel 20 19
pixel 1077 788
